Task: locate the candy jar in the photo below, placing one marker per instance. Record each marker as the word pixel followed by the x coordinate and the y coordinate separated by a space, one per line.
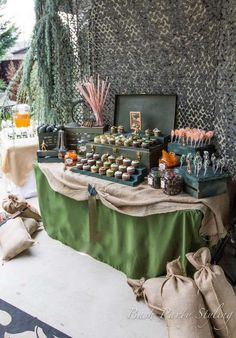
pixel 70 158
pixel 172 182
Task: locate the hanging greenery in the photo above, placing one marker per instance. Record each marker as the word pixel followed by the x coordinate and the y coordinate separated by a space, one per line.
pixel 52 48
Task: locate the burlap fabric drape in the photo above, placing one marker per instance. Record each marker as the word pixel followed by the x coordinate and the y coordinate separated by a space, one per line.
pixel 139 201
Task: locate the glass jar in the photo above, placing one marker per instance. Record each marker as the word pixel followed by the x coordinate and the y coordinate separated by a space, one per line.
pixel 172 182
pixel 154 178
pixel 21 115
pixel 70 158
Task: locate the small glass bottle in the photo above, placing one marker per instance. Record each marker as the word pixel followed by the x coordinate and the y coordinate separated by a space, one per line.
pixel 154 178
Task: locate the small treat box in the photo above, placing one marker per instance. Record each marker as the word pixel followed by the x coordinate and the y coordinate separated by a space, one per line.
pixel 204 186
pixel 49 138
pixel 180 149
pixel 134 180
pixel 48 156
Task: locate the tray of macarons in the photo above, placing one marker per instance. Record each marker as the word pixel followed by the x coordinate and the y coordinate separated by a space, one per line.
pixel 115 169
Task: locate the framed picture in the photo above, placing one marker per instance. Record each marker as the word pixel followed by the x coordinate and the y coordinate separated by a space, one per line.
pixel 135 120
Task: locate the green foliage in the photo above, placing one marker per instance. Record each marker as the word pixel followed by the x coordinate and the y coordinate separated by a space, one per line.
pixel 52 48
pixel 8 33
pixel 2 84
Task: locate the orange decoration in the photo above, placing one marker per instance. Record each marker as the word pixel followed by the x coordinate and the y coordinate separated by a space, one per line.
pixel 168 159
pixel 71 158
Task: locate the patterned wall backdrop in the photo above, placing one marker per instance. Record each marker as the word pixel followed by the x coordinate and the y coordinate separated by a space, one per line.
pixel 166 46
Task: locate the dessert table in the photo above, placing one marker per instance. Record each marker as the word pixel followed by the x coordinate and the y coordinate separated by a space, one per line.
pixel 136 235
pixel 17 157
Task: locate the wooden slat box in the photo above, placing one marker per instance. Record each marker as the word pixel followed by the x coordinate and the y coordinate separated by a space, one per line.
pixel 204 186
pixel 180 149
pixel 48 156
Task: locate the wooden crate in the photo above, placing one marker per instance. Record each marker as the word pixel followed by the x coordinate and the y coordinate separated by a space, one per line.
pixel 50 140
pixel 204 186
pixel 135 179
pixel 48 156
pixel 72 135
pixel 147 157
pixel 180 149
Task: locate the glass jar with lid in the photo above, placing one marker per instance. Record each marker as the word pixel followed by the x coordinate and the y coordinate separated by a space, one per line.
pixel 172 182
pixel 154 178
pixel 21 115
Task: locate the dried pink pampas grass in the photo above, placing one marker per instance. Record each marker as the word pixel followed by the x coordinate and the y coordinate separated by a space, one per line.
pixel 95 94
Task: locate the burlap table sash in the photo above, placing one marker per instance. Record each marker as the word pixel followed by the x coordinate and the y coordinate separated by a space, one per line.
pixel 140 201
pixel 17 158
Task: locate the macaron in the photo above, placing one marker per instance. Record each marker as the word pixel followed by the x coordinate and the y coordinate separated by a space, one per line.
pixel 131 170
pixel 110 172
pixel 125 177
pixel 94 169
pixel 118 174
pixel 102 171
pixel 86 167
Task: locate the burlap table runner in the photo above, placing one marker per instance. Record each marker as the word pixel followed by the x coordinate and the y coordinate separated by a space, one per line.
pixel 140 201
pixel 17 158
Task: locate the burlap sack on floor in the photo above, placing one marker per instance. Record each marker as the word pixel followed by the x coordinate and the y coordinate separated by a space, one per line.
pixel 14 238
pixel 218 294
pixel 150 291
pixel 13 203
pixel 31 225
pixel 182 304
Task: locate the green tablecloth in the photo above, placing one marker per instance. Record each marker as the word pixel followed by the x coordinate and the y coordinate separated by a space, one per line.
pixel 138 246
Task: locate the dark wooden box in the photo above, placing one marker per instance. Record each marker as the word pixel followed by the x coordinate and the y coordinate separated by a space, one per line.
pixel 180 149
pixel 50 140
pixel 148 157
pixel 204 186
pixel 48 156
pixel 72 135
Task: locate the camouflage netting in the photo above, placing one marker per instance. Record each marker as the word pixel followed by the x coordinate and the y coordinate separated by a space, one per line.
pixel 183 47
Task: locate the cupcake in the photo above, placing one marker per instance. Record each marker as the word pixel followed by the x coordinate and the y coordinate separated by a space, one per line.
pixel 125 177
pixel 119 160
pixel 104 140
pixel 97 139
pixel 104 157
pixel 156 132
pixel 148 132
pixel 96 156
pixel 126 162
pixel 136 144
pixel 94 169
pixel 145 144
pixel 91 161
pixel 83 160
pixel 135 163
pixel 79 166
pixel 131 170
pixel 102 171
pixel 110 173
pixel 99 163
pixel 114 130
pixel 111 159
pixel 106 165
pixel 86 167
pixel 111 140
pixel 118 143
pixel 127 143
pixel 89 155
pixel 118 174
pixel 122 168
pixel 120 130
pixel 114 167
